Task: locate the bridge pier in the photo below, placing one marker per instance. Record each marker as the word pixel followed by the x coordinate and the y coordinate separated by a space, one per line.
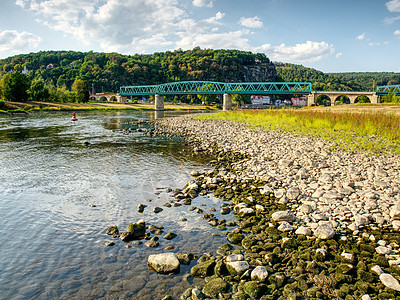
pixel 227 102
pixel 159 102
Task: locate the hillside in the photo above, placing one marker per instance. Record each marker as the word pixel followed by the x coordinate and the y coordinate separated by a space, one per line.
pixel 109 71
pixel 335 81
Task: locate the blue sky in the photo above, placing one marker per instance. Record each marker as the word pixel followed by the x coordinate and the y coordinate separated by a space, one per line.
pixel 331 36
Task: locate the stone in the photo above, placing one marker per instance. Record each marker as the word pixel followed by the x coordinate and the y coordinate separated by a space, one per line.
pixel 303 230
pixel 285 226
pixel 254 289
pixel 110 244
pixel 214 287
pixel 113 230
pixel 293 193
pixel 377 269
pixel 203 269
pixel 365 297
pixel 141 208
pixel 234 257
pixel 235 238
pixel 259 273
pixel 246 211
pixel 164 263
pixel 153 242
pixel 170 236
pixel 285 215
pixel 383 250
pixel 157 209
pixel 324 231
pixel 237 267
pixel 389 281
pixel 361 220
pixel 325 178
pixel 395 211
pixel 225 210
pixel 134 231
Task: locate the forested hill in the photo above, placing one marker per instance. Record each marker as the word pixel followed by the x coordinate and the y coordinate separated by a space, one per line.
pixel 335 81
pixel 109 71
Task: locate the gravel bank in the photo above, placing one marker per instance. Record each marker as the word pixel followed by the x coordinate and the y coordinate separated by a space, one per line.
pixel 352 199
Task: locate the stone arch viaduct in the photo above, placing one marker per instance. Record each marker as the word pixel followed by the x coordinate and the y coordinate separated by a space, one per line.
pixel 334 95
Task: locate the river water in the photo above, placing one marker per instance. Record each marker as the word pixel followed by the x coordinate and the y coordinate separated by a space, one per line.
pixel 59 196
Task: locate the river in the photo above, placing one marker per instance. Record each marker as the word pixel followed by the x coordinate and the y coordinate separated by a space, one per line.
pixel 58 196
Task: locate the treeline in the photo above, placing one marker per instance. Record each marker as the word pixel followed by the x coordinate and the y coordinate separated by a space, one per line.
pixel 356 81
pixel 108 71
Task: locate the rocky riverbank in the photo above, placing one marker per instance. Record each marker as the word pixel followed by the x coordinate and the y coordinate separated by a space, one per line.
pixel 311 223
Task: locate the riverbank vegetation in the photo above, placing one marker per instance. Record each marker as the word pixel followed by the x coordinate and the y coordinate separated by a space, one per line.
pixel 372 132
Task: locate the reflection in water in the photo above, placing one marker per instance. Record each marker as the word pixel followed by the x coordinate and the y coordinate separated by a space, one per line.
pixel 159 114
pixel 59 194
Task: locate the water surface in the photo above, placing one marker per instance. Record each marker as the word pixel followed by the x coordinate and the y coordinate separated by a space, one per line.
pixel 52 239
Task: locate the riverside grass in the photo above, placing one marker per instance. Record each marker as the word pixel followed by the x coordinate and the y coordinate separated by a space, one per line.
pixel 374 133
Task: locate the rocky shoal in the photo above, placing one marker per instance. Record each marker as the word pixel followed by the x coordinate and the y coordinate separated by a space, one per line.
pixel 312 223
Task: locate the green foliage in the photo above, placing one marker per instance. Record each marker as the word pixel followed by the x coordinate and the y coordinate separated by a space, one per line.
pixel 16 87
pixel 81 90
pixel 38 90
pixel 335 81
pixel 391 98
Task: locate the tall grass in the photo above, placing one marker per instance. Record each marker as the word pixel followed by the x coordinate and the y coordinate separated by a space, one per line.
pixel 370 132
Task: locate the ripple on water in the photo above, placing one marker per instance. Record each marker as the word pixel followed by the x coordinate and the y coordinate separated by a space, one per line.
pixel 53 241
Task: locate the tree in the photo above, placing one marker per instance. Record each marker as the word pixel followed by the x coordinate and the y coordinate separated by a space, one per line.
pixel 81 90
pixel 16 88
pixel 3 82
pixel 38 90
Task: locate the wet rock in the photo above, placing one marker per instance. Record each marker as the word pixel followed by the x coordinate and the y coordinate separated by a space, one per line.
pixel 170 236
pixel 157 209
pixel 110 243
pixel 141 208
pixel 225 210
pixel 203 269
pixel 153 242
pixel 254 289
pixel 164 263
pixel 134 231
pixel 214 287
pixel 235 238
pixel 113 230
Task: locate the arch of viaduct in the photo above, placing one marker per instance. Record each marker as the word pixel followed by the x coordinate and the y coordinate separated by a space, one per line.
pixel 334 95
pixel 106 97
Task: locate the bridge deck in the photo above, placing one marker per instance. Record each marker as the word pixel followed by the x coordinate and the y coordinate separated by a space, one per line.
pixel 388 89
pixel 218 88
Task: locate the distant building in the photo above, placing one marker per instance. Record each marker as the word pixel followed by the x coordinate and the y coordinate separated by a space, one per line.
pixel 299 102
pixel 260 100
pixel 25 70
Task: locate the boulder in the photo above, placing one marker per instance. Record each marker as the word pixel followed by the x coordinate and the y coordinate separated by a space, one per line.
pixel 259 273
pixel 134 231
pixel 237 267
pixel 113 230
pixel 389 281
pixel 203 269
pixel 324 231
pixel 164 263
pixel 214 287
pixel 284 215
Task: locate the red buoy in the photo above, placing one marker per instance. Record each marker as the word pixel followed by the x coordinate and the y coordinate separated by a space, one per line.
pixel 74 118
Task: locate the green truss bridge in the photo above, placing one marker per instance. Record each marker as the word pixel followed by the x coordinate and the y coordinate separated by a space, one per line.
pixel 388 89
pixel 215 88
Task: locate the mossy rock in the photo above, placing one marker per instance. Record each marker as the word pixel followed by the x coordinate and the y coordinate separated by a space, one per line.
pixel 214 287
pixel 344 268
pixel 220 269
pixel 289 244
pixel 362 286
pixel 203 269
pixel 367 248
pixel 248 241
pixel 254 289
pixel 226 247
pixel 278 279
pixel 272 231
pixel 365 275
pixel 235 238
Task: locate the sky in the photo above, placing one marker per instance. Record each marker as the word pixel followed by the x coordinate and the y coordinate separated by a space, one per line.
pixel 328 35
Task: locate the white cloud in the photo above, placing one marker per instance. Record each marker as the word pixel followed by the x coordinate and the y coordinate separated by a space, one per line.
pixel 339 54
pixel 226 40
pixel 203 3
pixel 251 22
pixel 214 20
pixel 391 20
pixel 373 44
pixel 12 42
pixel 300 53
pixel 361 37
pixel 397 32
pixel 393 5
